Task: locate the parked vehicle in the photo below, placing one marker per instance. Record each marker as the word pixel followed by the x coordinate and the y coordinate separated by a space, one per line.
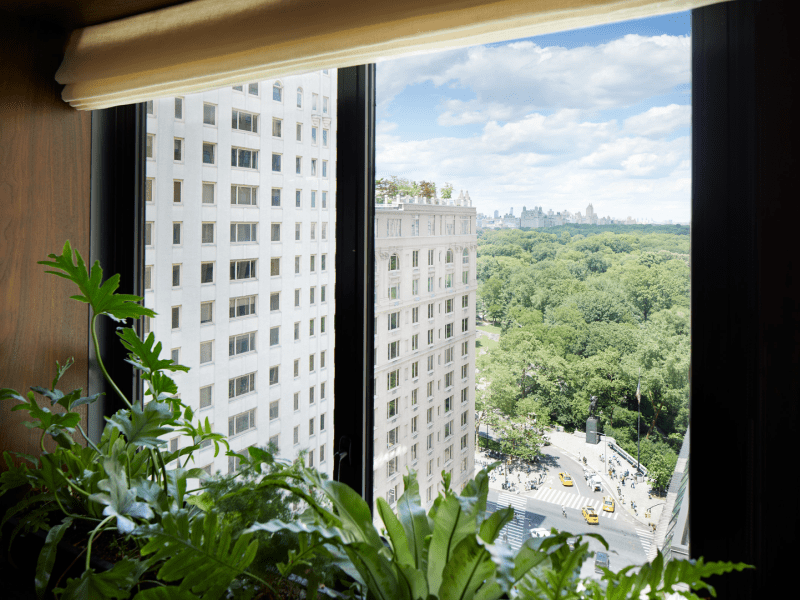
pixel 601 560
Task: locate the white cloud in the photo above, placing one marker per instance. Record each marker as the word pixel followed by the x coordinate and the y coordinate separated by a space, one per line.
pixel 659 120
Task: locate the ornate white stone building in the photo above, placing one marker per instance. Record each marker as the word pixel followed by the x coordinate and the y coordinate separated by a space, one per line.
pixel 425 285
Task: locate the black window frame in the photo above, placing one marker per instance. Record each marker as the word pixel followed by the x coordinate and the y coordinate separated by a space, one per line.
pixel 730 339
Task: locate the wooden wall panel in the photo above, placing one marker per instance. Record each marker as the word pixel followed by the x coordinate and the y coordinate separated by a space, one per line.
pixel 45 152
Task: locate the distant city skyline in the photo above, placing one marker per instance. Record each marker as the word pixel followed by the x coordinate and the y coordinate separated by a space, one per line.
pixel 599 115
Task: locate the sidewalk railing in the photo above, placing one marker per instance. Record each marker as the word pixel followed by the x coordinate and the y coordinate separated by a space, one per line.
pixel 630 459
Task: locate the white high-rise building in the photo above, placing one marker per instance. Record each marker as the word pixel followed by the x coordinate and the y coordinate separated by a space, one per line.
pixel 425 286
pixel 239 259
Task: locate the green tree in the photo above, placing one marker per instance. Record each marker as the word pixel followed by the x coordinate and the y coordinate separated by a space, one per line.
pixel 660 470
pixel 447 191
pixel 427 189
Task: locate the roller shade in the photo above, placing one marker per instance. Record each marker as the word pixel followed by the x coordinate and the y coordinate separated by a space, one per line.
pixel 205 44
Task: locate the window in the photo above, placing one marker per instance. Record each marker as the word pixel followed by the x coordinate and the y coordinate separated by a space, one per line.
pixel 297 367
pixel 391 408
pixel 464 371
pixel 148 189
pixel 311 395
pixel 176 317
pixel 414 452
pixel 276 163
pixel 429 446
pixel 322 391
pixel 311 361
pixel 274 267
pixel 244 158
pixel 277 92
pixel 392 437
pixel 314 136
pixel 311 327
pixel 297 197
pixel 325 104
pixel 414 394
pixel 238 88
pixel 322 291
pixel 464 325
pixel 177 188
pixel 252 89
pixel 322 360
pixel 394 262
pixel 393 350
pixel 150 108
pixel 275 197
pixel 464 395
pixel 448 453
pixel 464 348
pixel 297 434
pixel 243 269
pixel 297 330
pixel 176 275
pixel 430 310
pixel 323 260
pixel 209 153
pixel 414 424
pixel 274 410
pixel 298 134
pixel 448 355
pixel 448 429
pixel 242 344
pixel 430 258
pixel 393 379
pixel 148 277
pixel 179 109
pixel 415 369
pixel 274 336
pixel 465 277
pixel 448 280
pixel 393 292
pixel 324 200
pixel 325 138
pixel 313 198
pixel 430 337
pixel 448 404
pixel 207 233
pixel 150 146
pixel 276 127
pixel 314 99
pixel 208 193
pixel 238 386
pixel 313 170
pixel 299 97
pixel 430 284
pixel 178 150
pixel 448 305
pixel 176 355
pixel 297 268
pixel 297 400
pixel 242 422
pixel 415 342
pixel 313 263
pixel 275 232
pixel 311 295
pixel 206 396
pixel 324 233
pixel 430 364
pixel 448 379
pixel 393 320
pixel 391 469
pixel 206 312
pixel 243 306
pixel 298 165
pixel 275 301
pixel 244 195
pixel 207 272
pixel 176 233
pixel 206 352
pixel 313 231
pixel 464 301
pixel 209 114
pixel 322 452
pixel 274 375
pixel 448 331
pixel 464 418
pixel 325 169
pixel 415 314
pixel 430 415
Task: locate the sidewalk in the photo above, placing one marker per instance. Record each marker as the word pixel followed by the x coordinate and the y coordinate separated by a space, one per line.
pixel 575 447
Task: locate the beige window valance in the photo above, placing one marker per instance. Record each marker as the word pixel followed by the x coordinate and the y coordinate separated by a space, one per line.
pixel 204 44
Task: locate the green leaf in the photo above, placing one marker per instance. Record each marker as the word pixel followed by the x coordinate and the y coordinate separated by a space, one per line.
pixel 120 501
pixel 102 298
pixel 415 521
pixel 491 527
pixel 143 427
pixel 47 556
pixel 114 583
pixel 397 536
pixel 451 525
pixel 146 352
pixel 169 592
pixel 469 566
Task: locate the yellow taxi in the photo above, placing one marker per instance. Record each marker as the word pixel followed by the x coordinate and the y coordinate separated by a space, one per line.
pixel 608 504
pixel 589 514
pixel 565 479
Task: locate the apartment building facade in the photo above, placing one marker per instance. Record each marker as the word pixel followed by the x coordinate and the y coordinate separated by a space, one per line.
pixel 239 256
pixel 425 287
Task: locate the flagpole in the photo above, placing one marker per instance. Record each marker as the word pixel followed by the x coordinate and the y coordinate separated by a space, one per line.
pixel 638 419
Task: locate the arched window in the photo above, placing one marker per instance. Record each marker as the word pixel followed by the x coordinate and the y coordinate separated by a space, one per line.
pixel 394 262
pixel 465 257
pixel 277 91
pixel 299 97
pixel 448 258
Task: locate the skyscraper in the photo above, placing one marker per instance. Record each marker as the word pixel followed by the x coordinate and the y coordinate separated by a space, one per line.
pixel 239 257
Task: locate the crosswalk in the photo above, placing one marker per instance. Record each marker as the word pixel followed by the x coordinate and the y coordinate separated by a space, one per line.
pixel 647 538
pixel 570 500
pixel 514 531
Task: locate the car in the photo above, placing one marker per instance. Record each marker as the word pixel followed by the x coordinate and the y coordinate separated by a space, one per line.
pixel 589 514
pixel 601 560
pixel 540 532
pixel 565 479
pixel 608 504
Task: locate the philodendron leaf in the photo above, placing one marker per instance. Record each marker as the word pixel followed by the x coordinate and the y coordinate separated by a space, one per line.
pixel 47 557
pixel 143 427
pixel 145 353
pixel 170 592
pixel 114 583
pixel 102 298
pixel 120 501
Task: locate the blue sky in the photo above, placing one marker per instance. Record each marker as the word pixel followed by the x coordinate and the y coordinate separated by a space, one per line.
pixel 598 115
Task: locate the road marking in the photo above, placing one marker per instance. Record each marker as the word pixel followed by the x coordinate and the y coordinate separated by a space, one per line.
pixel 646 537
pixel 514 530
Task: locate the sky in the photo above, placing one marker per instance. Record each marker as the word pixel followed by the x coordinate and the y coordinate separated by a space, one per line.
pixel 599 115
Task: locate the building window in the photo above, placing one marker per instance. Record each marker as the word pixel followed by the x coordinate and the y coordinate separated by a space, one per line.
pixel 322 359
pixel 209 114
pixel 176 233
pixel 464 395
pixel 274 336
pixel 313 263
pixel 311 367
pixel 242 344
pixel 276 163
pixel 297 268
pixel 206 312
pixel 311 395
pixel 206 352
pixel 274 267
pixel 448 379
pixel 177 188
pixel 207 233
pixel 464 417
pixel 150 146
pixel 274 375
pixel 415 369
pixel 297 434
pixel 325 105
pixel 311 295
pixel 297 400
pixel 297 197
pixel 465 277
pixel 430 364
pixel 464 371
pixel 313 170
pixel 322 452
pixel 415 342
pixel 314 136
pixel 276 127
pixel 277 92
pixel 243 306
pixel 414 395
pixel 448 305
pixel 448 355
pixel 393 379
pixel 207 272
pixel 275 301
pixel 179 109
pixel 325 169
pixel 209 153
pixel 448 331
pixel 176 275
pixel 313 231
pixel 299 97
pixel 244 158
pixel 394 262
pixel 323 260
pixel 415 314
pixel 391 469
pixel 243 269
pixel 148 189
pixel 242 422
pixel 275 232
pixel 176 317
pixel 324 200
pixel 298 165
pixel 148 277
pixel 465 325
pixel 393 320
pixel 299 132
pixel 393 350
pixel 325 138
pixel 208 193
pixel 430 284
pixel 178 150
pixel 150 108
pixel 430 337
pixel 297 330
pixel 238 386
pixel 176 355
pixel 464 348
pixel 464 301
pixel 206 396
pixel 244 195
pixel 314 100
pixel 393 292
pixel 324 233
pixel 311 327
pixel 392 437
pixel 448 429
pixel 448 280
